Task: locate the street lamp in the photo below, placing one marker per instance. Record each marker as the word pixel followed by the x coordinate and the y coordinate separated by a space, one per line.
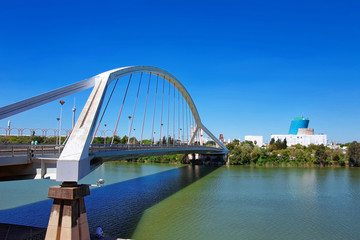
pixel 129 128
pixel 57 135
pixel 105 134
pixel 180 136
pixel 61 104
pixel 73 120
pixel 134 136
pixel 160 141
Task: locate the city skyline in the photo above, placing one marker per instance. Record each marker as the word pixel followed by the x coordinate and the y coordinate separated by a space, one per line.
pixel 250 67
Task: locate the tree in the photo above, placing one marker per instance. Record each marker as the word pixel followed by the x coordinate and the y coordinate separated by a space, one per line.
pixel 300 155
pixel 146 141
pixel 124 140
pixel 230 146
pixel 278 144
pixel 246 153
pixel 285 154
pixel 235 156
pixel 284 144
pixel 320 155
pixel 210 143
pixel 353 154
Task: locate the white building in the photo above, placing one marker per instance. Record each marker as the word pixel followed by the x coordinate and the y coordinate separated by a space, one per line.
pixel 257 140
pixel 304 140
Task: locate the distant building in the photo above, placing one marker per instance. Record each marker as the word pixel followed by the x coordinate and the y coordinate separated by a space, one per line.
pixel 298 122
pixel 257 140
pixel 305 131
pixel 304 140
pixel 299 133
pixel 221 138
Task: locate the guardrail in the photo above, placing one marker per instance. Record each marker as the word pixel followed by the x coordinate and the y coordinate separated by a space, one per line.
pixel 30 150
pixel 128 147
pixel 52 149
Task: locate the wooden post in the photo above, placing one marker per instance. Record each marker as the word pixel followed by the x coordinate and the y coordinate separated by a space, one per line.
pixel 68 218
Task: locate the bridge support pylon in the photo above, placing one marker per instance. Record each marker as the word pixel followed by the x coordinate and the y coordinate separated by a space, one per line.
pixel 68 218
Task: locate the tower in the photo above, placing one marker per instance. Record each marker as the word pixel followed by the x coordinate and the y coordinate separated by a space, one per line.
pixel 298 122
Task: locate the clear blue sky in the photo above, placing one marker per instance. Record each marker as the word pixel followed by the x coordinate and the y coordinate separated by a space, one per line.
pixel 250 66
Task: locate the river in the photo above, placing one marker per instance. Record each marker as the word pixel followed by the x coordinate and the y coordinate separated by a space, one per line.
pixel 153 201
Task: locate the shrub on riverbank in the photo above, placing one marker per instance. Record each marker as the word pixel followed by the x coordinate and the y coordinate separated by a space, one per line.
pixel 174 158
pixel 246 153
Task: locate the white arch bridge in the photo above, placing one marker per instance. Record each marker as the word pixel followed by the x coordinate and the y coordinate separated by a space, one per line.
pixel 177 108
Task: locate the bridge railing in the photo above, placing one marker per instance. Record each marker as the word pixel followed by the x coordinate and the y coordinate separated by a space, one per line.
pixel 53 149
pixel 127 147
pixel 30 150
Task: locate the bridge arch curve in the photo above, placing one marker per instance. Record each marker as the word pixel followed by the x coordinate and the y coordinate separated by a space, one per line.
pixel 121 72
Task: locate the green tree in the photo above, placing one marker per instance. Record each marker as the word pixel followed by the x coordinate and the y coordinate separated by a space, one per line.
pixel 320 155
pixel 300 155
pixel 285 154
pixel 353 154
pixel 210 143
pixel 146 141
pixel 231 146
pixel 236 142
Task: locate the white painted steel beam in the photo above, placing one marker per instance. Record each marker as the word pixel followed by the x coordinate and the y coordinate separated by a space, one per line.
pixel 44 98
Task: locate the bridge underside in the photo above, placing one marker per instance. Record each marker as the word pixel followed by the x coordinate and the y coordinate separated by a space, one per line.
pixel 133 154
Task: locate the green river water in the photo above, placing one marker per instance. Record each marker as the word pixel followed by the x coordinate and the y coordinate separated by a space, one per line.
pixel 148 201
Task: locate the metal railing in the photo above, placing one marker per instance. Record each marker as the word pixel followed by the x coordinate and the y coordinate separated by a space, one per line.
pixel 53 149
pixel 30 150
pixel 129 147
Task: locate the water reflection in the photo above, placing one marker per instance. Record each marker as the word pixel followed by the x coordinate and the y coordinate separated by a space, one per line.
pixel 119 207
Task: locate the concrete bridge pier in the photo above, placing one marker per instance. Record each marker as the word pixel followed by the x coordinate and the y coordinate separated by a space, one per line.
pixel 68 220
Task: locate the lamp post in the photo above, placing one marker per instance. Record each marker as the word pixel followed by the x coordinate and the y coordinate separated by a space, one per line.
pixel 160 141
pixel 61 104
pixel 134 136
pixel 180 136
pixel 8 130
pixel 73 120
pixel 154 138
pixel 57 135
pixel 104 134
pixel 129 128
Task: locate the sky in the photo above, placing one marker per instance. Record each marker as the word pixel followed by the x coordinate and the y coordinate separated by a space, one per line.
pixel 250 66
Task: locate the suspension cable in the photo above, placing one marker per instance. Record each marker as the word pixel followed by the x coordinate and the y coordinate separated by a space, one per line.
pixel 189 110
pixel 179 116
pixel 183 128
pixel 122 105
pixel 105 108
pixel 162 107
pixel 191 126
pixel 187 128
pixel 147 95
pixel 174 119
pixel 168 124
pixel 137 95
pixel 152 129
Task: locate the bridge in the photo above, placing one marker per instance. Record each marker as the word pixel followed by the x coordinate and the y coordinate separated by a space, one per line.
pixel 173 115
pixel 178 111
